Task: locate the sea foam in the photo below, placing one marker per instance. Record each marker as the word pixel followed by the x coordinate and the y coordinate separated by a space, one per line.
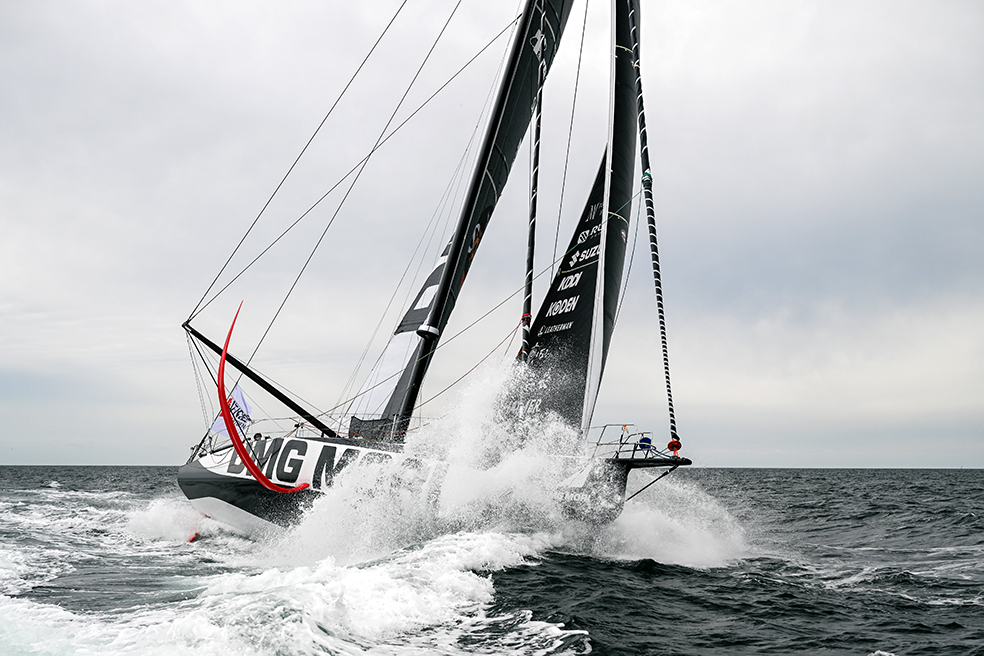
pixel 501 473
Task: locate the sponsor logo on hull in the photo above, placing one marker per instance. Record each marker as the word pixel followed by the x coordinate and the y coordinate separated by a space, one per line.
pixel 293 461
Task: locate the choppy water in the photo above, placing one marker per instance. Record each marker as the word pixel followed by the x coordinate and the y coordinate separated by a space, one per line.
pixel 96 560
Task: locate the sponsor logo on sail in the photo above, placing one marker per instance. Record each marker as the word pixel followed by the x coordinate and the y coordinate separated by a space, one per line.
pixel 562 306
pixel 569 281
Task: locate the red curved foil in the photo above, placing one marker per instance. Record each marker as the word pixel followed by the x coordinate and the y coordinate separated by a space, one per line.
pixel 234 431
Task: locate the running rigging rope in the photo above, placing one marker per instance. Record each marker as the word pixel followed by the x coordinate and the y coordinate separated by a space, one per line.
pixel 647 188
pixel 384 137
pixel 461 332
pixel 570 132
pixel 450 199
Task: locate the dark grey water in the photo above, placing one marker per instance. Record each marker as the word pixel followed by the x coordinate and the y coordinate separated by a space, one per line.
pixel 97 560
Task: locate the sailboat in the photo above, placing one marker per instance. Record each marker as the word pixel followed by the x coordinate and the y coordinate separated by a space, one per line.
pixel 269 479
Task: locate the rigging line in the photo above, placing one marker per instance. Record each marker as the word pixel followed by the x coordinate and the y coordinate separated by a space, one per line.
pixel 453 191
pixel 545 269
pixel 635 242
pixel 276 421
pixel 270 380
pixel 205 363
pixel 508 351
pixel 511 334
pixel 356 167
pixel 198 380
pixel 427 231
pixel 357 176
pixel 443 343
pixel 447 341
pixel 297 159
pixel 653 482
pixel 647 186
pixel 480 122
pixel 570 131
pixel 456 182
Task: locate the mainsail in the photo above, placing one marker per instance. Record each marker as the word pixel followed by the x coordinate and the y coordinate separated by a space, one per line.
pixel 573 329
pixel 392 387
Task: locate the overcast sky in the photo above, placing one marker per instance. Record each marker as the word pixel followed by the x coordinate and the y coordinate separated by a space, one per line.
pixel 819 173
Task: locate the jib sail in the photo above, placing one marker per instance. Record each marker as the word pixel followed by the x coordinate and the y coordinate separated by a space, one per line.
pixel 573 329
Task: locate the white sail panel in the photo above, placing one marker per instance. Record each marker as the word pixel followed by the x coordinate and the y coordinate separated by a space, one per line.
pixel 380 401
pixel 385 376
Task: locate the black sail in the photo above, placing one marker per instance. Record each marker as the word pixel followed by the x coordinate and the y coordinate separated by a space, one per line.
pixel 573 329
pixel 508 123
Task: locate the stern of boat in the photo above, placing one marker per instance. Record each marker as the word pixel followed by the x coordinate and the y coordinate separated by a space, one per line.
pixel 596 493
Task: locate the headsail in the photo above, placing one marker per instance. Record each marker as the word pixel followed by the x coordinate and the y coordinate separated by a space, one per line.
pixel 573 329
pixel 408 351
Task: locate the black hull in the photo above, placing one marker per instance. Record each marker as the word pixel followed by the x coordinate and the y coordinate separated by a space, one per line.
pixel 223 492
pixel 208 491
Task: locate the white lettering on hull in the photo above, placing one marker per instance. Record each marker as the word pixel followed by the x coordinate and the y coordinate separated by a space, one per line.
pixel 296 461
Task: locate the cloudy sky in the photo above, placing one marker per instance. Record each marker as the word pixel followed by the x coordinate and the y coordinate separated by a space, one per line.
pixel 819 174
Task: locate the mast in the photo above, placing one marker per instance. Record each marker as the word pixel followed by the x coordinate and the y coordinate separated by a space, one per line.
pixel 508 122
pixel 535 175
pixel 647 191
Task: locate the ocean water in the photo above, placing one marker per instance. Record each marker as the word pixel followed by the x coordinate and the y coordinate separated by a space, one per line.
pixel 97 560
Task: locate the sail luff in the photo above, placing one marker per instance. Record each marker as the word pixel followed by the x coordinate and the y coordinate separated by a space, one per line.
pixel 596 351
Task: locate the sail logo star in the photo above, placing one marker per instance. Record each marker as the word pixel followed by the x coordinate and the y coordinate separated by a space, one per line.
pixel 584 255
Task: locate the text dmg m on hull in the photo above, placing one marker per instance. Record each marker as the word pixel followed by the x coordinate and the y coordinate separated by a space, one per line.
pixel 254 474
